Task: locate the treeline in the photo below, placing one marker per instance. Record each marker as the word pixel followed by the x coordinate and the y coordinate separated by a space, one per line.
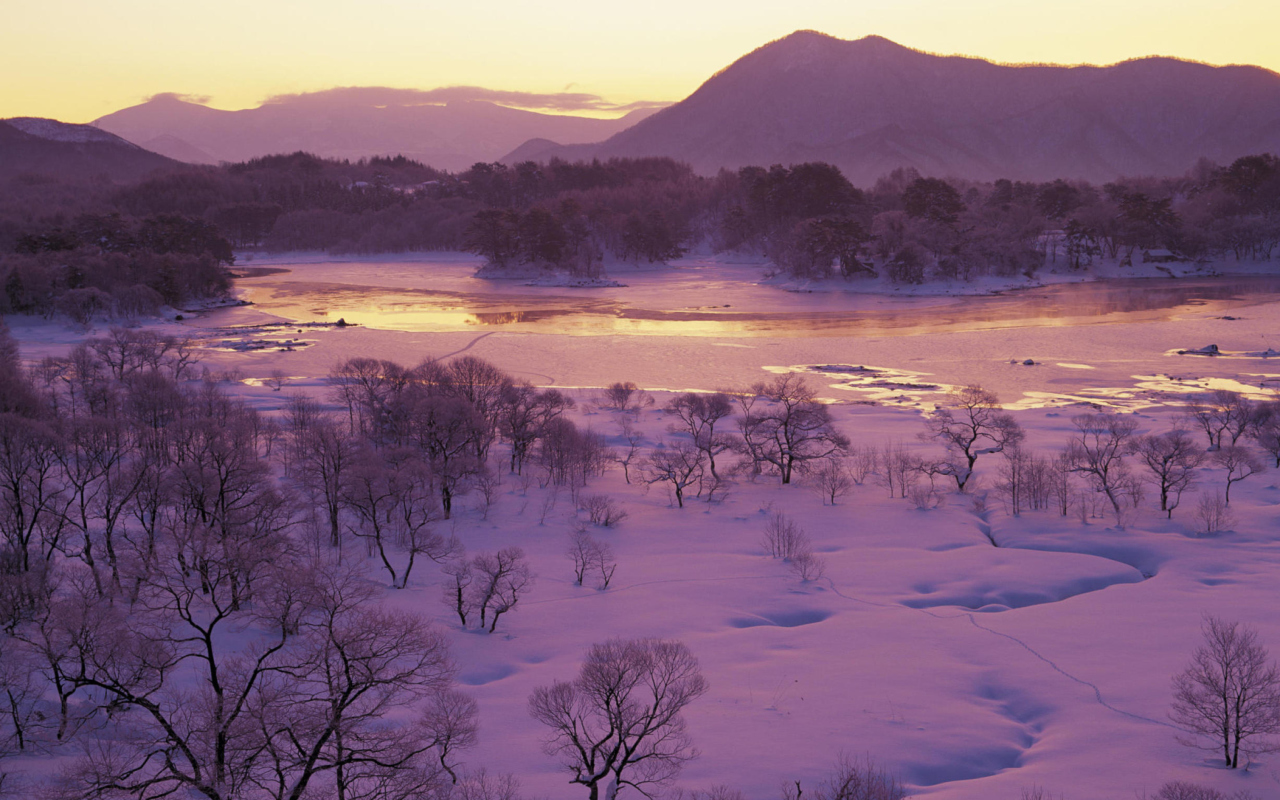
pixel 808 219
pixel 114 266
pixel 811 222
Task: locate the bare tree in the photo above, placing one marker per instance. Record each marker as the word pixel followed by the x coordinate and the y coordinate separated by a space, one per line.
pixel 971 425
pixel 783 538
pixel 448 431
pixel 861 462
pixel 679 464
pixel 277 380
pixel 22 718
pixel 699 414
pixel 282 701
pixel 633 438
pixel 571 455
pixel 31 496
pixel 894 465
pixel 393 501
pixel 809 566
pixel 480 785
pixel 482 386
pixel 1213 515
pixel 591 555
pixel 831 479
pixel 1061 487
pixel 624 396
pixel 1026 480
pixel 320 458
pixel 581 551
pixel 1239 462
pixel 854 780
pixel 1222 413
pixel 1098 452
pixel 501 579
pixel 924 496
pixel 1228 697
pixel 457 587
pixel 125 351
pixel 1185 790
pixel 620 719
pixel 791 429
pixel 523 416
pixel 324 725
pixel 368 388
pixel 1172 458
pixel 1015 477
pixel 605 564
pixel 100 480
pixel 1266 429
pixel 602 510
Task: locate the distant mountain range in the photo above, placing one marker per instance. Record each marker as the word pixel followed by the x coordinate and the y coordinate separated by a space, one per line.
pixel 351 123
pixel 47 147
pixel 870 106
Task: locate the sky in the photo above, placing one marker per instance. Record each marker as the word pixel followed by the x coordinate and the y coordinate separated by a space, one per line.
pixel 76 60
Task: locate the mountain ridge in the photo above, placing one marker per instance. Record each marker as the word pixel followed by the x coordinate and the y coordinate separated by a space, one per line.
pixel 450 135
pixel 870 105
pixel 38 146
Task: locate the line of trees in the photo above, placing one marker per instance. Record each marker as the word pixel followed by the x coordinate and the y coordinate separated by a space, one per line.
pixel 806 218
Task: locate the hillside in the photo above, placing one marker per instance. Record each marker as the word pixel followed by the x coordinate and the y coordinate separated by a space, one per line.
pixel 30 145
pixel 870 106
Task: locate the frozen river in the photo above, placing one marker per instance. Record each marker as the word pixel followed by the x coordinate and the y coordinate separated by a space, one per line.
pixel 708 299
pixel 712 325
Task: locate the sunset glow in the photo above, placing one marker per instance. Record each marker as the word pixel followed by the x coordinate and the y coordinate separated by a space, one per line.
pixel 77 60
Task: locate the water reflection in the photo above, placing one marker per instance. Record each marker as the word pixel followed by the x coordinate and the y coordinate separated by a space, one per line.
pixel 516 317
pixel 1059 305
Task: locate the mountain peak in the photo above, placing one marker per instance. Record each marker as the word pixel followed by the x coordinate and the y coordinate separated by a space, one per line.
pixel 817 40
pixel 870 106
pixel 806 49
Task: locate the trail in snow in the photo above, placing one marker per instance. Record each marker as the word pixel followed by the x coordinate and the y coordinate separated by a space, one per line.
pixel 1097 692
pixel 466 347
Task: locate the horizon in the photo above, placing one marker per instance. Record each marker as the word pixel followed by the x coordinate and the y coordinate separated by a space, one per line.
pixel 81 63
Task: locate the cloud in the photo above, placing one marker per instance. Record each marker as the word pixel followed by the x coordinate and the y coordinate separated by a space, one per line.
pixel 385 96
pixel 198 99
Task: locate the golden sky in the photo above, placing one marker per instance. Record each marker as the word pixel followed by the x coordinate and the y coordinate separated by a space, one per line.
pixel 76 60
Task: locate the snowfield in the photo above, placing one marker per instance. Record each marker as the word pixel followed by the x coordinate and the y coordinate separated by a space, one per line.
pixel 974 652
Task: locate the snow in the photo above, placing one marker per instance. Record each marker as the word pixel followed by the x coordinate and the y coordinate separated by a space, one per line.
pixel 56 131
pixel 972 670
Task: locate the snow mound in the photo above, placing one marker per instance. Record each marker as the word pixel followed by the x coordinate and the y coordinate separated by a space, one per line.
pixel 781 619
pixel 490 673
pixel 1009 578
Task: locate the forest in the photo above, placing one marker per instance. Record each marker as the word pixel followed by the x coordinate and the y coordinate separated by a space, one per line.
pixel 78 248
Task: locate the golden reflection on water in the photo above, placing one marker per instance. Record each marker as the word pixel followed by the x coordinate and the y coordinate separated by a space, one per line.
pixel 1059 305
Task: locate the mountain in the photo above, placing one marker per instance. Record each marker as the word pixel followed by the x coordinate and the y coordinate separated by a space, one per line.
pixel 870 106
pixel 351 123
pixel 47 147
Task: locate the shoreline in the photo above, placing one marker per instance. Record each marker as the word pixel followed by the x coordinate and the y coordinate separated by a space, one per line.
pixel 615 273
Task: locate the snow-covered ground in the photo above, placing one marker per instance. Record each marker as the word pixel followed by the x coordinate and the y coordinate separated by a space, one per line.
pixel 973 670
